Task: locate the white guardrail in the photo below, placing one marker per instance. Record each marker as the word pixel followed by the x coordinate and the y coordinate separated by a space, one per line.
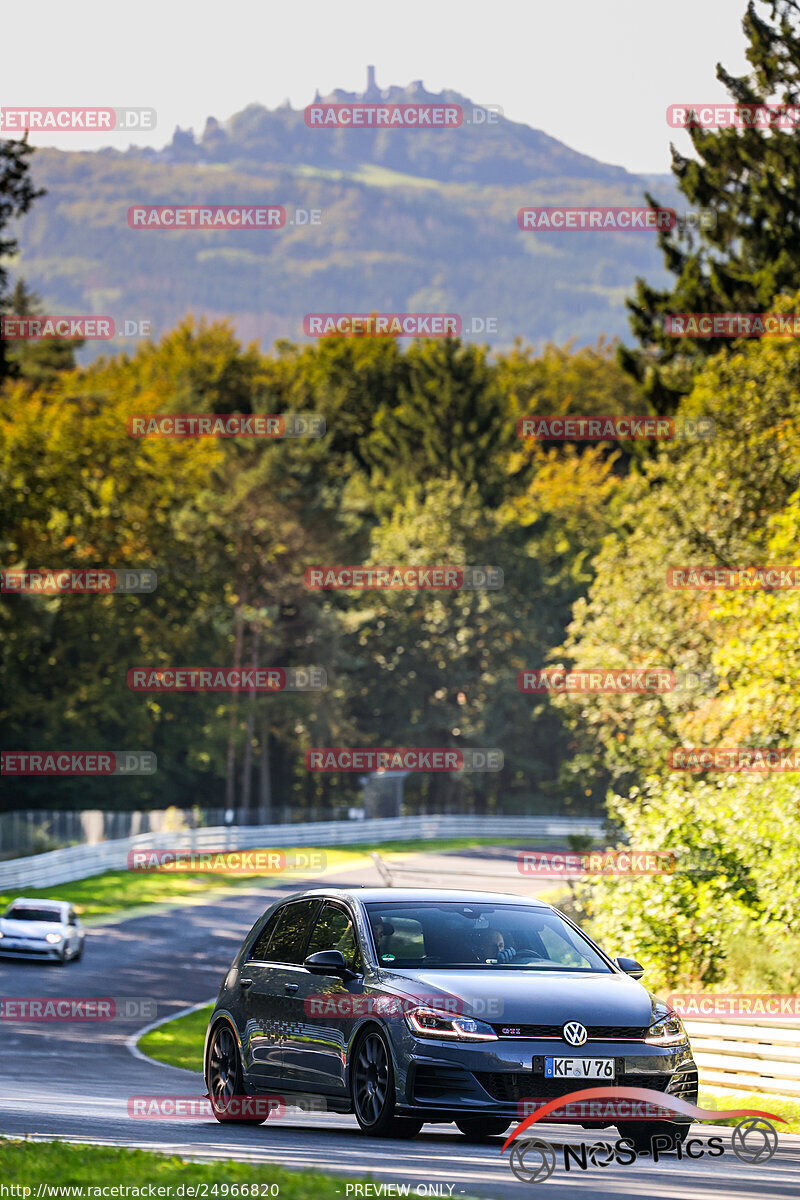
pixel 79 862
pixel 758 1055
pixel 761 1055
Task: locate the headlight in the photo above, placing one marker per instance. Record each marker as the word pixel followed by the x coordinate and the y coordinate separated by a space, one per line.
pixel 666 1031
pixel 54 938
pixel 2 935
pixel 429 1022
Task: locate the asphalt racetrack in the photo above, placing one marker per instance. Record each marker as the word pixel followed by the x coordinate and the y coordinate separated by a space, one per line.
pixel 73 1080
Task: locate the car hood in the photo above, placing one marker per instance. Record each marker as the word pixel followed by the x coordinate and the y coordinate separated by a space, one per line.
pixel 518 997
pixel 31 929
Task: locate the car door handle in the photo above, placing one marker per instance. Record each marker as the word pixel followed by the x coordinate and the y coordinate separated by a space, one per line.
pixel 292 987
pixel 245 983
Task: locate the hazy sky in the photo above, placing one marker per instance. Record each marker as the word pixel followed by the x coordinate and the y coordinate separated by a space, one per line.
pixel 596 74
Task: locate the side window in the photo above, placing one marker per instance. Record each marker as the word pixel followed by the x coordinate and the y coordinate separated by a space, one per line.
pixel 334 931
pixel 72 920
pixel 259 949
pixel 400 938
pixel 289 939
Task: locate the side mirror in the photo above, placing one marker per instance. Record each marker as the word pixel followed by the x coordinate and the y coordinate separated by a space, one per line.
pixel 329 962
pixel 630 966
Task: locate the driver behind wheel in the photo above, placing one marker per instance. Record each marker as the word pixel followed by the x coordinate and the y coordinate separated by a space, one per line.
pixel 496 946
pixel 506 954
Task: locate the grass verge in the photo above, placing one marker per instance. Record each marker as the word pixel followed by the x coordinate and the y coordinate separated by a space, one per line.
pixel 179 1043
pixel 781 1106
pixel 28 1164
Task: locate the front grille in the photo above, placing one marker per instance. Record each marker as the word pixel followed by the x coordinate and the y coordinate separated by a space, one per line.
pixel 502 1085
pixel 33 949
pixel 434 1083
pixel 658 1083
pixel 684 1084
pixel 605 1033
pixel 510 1087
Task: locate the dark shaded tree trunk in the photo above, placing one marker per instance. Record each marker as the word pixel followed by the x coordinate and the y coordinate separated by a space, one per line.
pixel 230 767
pixel 247 758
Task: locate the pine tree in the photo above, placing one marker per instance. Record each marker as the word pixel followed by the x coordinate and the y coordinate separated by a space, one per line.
pixel 17 194
pixel 749 178
pixel 38 362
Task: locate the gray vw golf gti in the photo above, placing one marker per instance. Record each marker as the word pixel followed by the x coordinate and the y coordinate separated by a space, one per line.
pixel 413 1005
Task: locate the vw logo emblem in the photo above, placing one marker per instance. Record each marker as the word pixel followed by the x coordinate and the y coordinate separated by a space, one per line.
pixel 575 1033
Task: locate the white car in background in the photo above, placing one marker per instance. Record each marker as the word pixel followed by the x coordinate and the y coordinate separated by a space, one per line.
pixel 41 929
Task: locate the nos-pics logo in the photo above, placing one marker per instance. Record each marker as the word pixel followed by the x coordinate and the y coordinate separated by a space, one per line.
pixel 754 1139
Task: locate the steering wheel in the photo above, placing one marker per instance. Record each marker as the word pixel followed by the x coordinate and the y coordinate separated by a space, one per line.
pixel 529 955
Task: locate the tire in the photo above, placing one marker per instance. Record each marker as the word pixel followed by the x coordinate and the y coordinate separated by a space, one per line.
pixel 62 958
pixel 372 1090
pixel 79 955
pixel 479 1129
pixel 640 1132
pixel 224 1076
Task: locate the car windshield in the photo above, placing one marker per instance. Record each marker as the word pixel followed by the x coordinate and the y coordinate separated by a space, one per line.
pixel 19 912
pixel 441 934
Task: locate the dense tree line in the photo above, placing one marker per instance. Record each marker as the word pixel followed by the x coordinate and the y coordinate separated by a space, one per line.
pixel 421 464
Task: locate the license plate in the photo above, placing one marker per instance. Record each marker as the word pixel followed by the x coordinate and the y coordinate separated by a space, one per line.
pixel 579 1068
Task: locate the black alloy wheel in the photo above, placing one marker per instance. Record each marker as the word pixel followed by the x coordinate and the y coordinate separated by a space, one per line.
pixel 224 1078
pixel 372 1089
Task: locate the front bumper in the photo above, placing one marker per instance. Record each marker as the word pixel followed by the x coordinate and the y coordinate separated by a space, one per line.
pixel 22 948
pixel 498 1078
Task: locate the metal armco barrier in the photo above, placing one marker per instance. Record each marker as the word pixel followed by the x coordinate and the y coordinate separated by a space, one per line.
pixel 80 862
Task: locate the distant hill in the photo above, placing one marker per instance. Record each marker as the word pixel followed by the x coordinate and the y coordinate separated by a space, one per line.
pixel 411 221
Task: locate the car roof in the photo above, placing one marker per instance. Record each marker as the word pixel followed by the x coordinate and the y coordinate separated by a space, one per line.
pixel 394 895
pixel 35 903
